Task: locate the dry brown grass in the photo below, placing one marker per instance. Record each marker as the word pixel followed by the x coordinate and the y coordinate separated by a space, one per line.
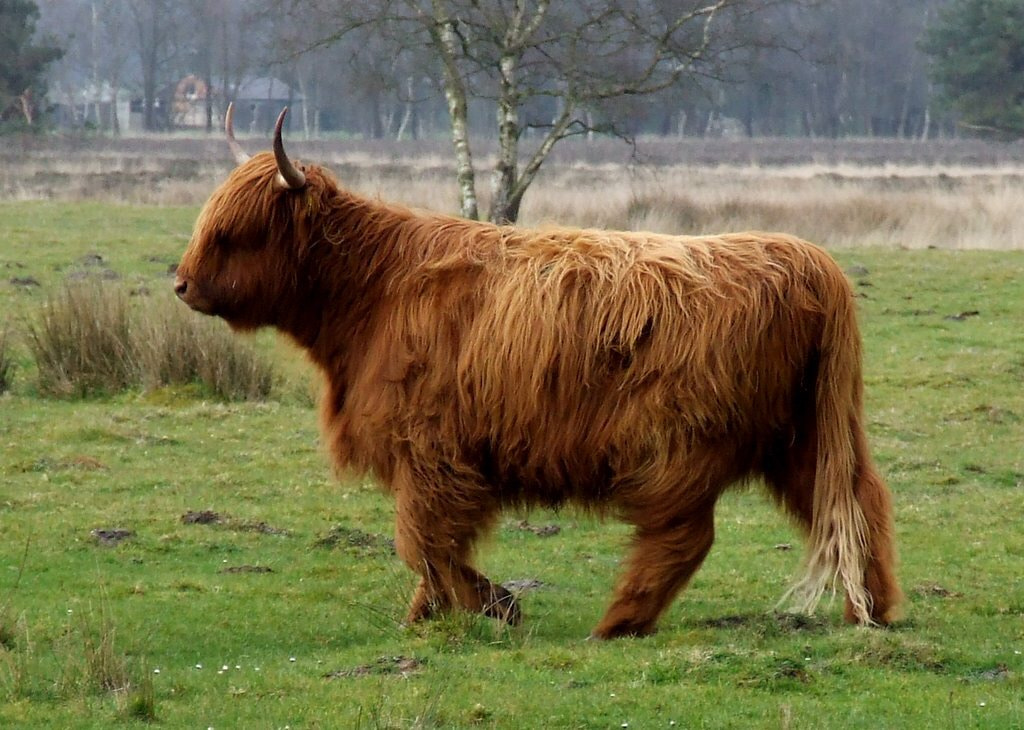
pixel 963 209
pixel 946 194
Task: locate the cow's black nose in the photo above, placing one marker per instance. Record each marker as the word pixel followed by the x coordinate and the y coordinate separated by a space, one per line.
pixel 180 287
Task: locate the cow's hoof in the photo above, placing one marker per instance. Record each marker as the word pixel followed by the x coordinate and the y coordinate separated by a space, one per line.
pixel 621 629
pixel 504 607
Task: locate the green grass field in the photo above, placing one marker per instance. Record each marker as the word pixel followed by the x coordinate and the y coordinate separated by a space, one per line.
pixel 286 612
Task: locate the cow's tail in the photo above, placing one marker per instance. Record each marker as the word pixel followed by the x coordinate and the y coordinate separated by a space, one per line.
pixel 838 540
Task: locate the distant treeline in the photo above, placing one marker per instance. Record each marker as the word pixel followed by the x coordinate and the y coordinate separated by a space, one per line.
pixel 814 68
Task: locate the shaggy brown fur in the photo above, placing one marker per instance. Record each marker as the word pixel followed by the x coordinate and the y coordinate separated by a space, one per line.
pixel 472 367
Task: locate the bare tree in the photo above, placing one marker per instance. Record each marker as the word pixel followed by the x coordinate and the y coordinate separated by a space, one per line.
pixel 157 31
pixel 95 64
pixel 548 68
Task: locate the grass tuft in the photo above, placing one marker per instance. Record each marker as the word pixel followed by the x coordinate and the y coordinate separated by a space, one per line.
pixel 17 658
pixel 177 347
pixel 82 342
pixel 142 699
pixel 106 669
pixel 88 340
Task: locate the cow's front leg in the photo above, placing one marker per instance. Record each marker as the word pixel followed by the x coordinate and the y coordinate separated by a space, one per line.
pixel 435 539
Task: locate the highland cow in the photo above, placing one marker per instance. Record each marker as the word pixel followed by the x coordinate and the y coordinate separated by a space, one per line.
pixel 472 367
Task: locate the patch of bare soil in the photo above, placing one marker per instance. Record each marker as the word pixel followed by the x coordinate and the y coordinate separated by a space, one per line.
pixel 201 517
pixel 110 536
pixel 209 517
pixel 261 527
pixel 234 569
pixel 402 666
pixel 91 259
pixel 998 673
pixel 771 623
pixel 934 590
pixel 961 316
pixel 522 585
pixel 356 541
pixel 24 281
pixel 538 530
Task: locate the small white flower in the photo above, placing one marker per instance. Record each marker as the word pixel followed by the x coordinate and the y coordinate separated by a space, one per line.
pixel 291 659
pixel 224 668
pixel 199 666
pixel 981 704
pixel 238 666
pixel 156 671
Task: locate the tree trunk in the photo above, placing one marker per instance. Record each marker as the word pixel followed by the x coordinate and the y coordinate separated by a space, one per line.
pixel 97 89
pixel 507 185
pixel 505 209
pixel 376 130
pixel 304 90
pixel 559 129
pixel 25 99
pixel 407 113
pixel 148 34
pixel 444 38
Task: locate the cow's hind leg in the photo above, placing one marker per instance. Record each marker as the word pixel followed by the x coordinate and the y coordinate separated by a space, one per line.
pixel 664 558
pixel 436 541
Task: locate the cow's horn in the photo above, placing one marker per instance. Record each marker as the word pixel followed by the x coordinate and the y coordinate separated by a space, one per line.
pixel 229 126
pixel 290 175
